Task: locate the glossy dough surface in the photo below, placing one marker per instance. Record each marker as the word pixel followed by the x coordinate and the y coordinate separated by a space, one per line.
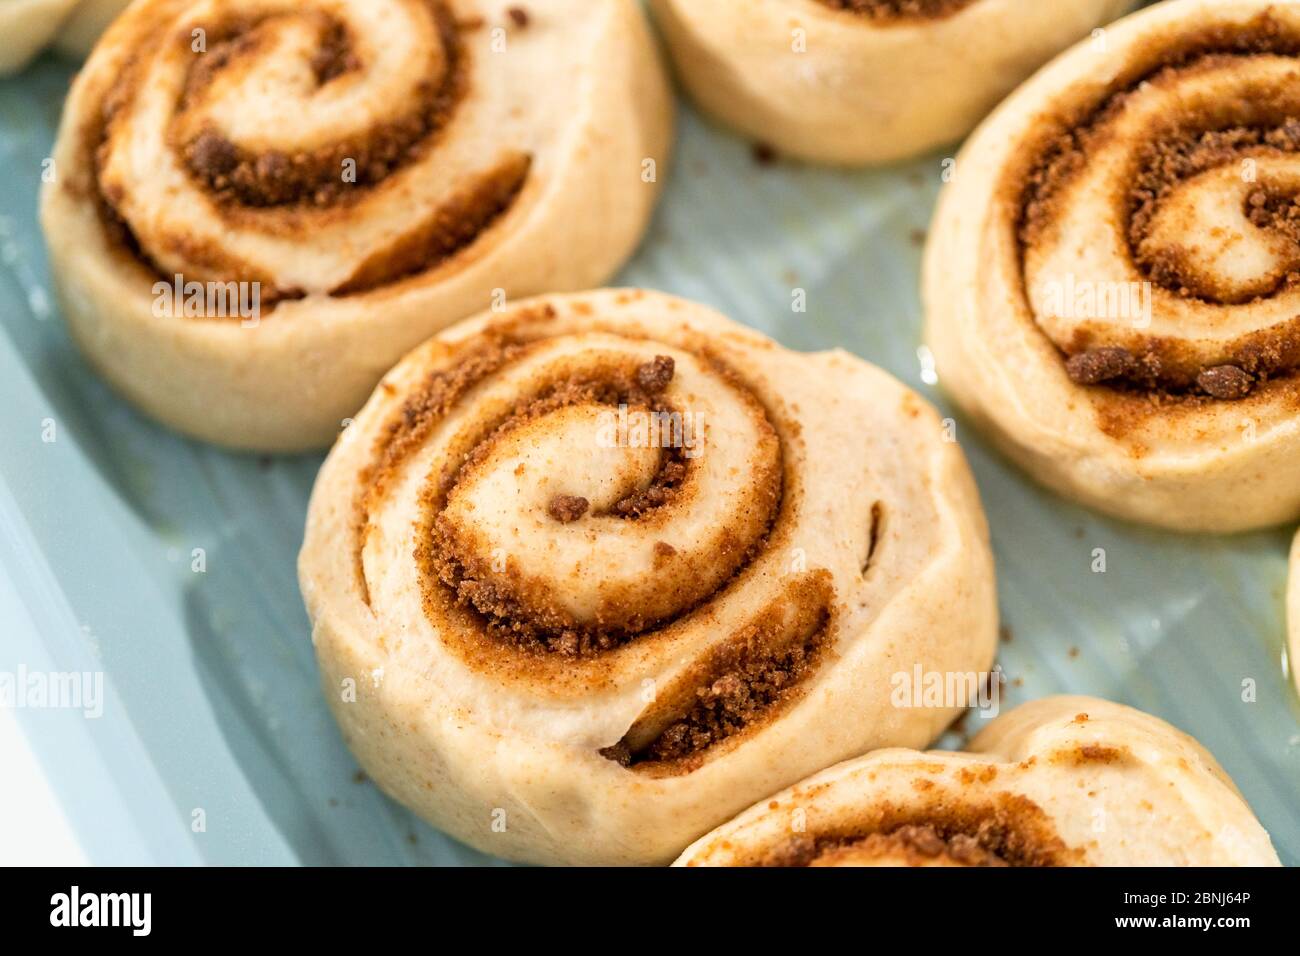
pixel 1110 285
pixel 375 171
pixel 821 82
pixel 1063 781
pixel 602 680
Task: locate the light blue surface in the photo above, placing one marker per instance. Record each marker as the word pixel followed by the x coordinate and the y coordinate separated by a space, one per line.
pixel 213 697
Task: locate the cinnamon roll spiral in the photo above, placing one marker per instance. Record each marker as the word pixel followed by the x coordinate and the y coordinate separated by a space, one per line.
pixel 864 81
pixel 260 205
pixel 1063 781
pixel 1111 281
pixel 623 567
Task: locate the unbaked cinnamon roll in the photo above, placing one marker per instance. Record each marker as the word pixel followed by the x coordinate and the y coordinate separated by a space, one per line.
pixel 1111 282
pixel 259 205
pixel 1064 781
pixel 864 81
pixel 589 576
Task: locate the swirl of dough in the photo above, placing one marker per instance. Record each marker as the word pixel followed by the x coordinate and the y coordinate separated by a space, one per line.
pixel 1112 282
pixel 864 81
pixel 1063 781
pixel 625 567
pixel 355 176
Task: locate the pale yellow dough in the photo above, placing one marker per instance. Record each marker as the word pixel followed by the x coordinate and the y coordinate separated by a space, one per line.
pixel 877 561
pixel 1063 781
pixel 564 123
pixel 1003 311
pixel 832 86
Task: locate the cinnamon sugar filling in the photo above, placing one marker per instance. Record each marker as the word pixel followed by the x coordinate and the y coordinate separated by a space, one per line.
pixel 911 844
pixel 298 184
pixel 504 610
pixel 1003 830
pixel 886 11
pixel 493 617
pixel 734 688
pixel 462 218
pixel 1201 143
pixel 741 684
pixel 500 603
pixel 276 178
pixel 1173 161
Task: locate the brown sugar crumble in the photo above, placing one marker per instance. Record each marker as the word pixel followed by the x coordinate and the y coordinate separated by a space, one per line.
pixel 335 56
pixel 1096 753
pixel 659 492
pixel 1278 212
pixel 654 376
pixel 1004 830
pixel 1173 161
pixel 567 508
pixel 919 844
pixel 1099 365
pixel 900 9
pixel 732 701
pixel 759 669
pixel 1226 382
pixel 1084 754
